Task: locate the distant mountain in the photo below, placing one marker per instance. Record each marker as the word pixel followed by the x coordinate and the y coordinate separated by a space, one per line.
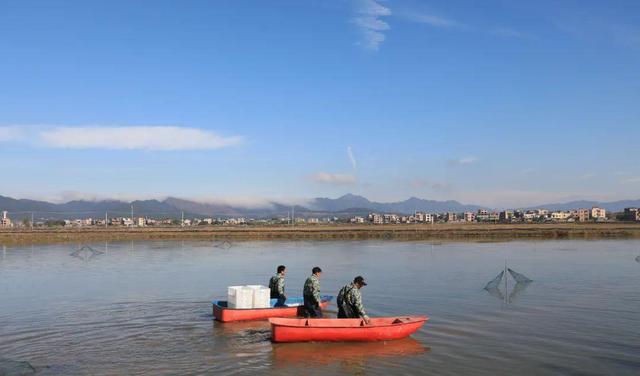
pixel 345 202
pixel 413 204
pixel 345 206
pixel 81 208
pixel 614 206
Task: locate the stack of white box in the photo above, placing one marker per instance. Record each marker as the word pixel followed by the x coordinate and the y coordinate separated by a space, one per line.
pixel 250 296
pixel 239 297
pixel 261 296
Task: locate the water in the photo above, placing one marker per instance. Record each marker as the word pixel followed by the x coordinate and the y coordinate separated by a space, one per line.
pixel 144 307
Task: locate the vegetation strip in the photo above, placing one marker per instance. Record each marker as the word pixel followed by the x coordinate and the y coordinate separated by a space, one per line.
pixel 395 232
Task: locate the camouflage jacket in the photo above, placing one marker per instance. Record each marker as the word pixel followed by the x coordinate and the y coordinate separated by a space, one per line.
pixel 350 300
pixel 312 288
pixel 276 284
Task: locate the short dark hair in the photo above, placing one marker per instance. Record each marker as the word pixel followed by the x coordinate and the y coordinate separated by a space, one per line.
pixel 281 268
pixel 316 269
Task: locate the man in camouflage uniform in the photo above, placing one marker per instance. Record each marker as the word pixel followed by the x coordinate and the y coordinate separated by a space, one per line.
pixel 311 294
pixel 350 301
pixel 276 285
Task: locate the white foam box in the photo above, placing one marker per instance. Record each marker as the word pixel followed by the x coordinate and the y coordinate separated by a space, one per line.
pixel 239 297
pixel 261 296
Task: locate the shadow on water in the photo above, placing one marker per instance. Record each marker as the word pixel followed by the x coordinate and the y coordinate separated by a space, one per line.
pixel 243 332
pixel 86 253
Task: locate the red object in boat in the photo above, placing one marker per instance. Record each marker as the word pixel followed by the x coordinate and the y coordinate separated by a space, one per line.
pixel 339 330
pixel 222 313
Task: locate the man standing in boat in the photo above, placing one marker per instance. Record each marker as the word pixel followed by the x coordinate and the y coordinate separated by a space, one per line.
pixel 276 284
pixel 350 301
pixel 311 294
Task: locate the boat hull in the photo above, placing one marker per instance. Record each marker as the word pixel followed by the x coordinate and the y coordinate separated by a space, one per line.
pixel 224 314
pixel 344 330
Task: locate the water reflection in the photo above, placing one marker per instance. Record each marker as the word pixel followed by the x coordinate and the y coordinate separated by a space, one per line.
pixel 638 259
pixel 346 354
pixel 86 253
pixel 224 244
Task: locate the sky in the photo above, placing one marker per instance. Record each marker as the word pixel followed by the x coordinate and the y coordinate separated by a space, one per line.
pixel 497 103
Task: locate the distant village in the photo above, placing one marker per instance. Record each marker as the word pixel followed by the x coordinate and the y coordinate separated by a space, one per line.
pixel 594 214
pixel 144 221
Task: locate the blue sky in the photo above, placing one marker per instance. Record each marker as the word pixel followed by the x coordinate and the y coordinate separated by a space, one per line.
pixel 499 103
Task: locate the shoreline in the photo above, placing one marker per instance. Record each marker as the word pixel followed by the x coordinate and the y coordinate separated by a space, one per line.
pixel 458 232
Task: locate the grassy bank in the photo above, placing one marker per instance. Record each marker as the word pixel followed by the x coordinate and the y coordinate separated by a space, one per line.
pixel 472 232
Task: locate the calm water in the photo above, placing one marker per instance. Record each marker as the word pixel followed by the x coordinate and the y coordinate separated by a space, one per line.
pixel 144 307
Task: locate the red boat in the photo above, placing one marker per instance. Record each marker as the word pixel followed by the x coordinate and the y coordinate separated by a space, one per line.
pixel 222 313
pixel 339 330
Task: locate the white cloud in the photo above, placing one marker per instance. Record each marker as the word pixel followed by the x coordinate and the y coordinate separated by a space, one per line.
pixel 336 179
pixel 368 13
pixel 587 176
pixel 352 159
pixel 11 134
pixel 136 137
pixel 463 161
pixel 632 180
pixel 250 202
pixel 435 21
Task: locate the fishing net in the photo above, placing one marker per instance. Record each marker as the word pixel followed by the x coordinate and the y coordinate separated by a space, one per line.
pixel 520 278
pixel 517 289
pixel 494 283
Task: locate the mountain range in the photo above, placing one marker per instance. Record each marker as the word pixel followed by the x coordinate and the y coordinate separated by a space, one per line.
pixel 347 205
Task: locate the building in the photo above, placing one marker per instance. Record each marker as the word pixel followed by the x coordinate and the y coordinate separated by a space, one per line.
pixel 451 217
pixel 598 214
pixel 482 215
pixel 582 215
pixel 376 219
pixel 560 215
pixel 469 217
pixel 140 222
pixel 506 216
pixel 6 222
pixel 631 214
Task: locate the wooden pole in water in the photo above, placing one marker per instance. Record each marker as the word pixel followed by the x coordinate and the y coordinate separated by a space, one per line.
pixel 506 286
